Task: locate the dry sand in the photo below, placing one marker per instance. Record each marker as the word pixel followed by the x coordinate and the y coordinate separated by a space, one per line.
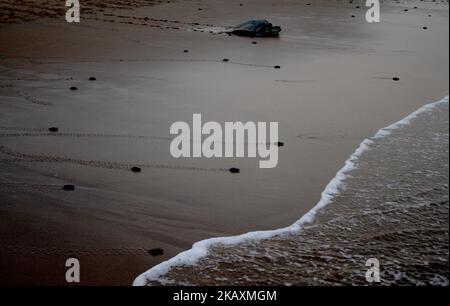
pixel 334 89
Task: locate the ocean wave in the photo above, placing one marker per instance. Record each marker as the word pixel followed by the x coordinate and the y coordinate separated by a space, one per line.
pixel 335 186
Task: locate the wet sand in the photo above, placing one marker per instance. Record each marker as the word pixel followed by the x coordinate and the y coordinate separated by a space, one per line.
pixel 390 204
pixel 334 89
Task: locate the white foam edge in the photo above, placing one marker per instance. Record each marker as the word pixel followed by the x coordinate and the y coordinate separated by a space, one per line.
pixel 407 120
pixel 200 248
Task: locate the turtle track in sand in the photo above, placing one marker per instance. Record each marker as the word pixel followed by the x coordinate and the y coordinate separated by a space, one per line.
pixel 8 249
pixel 22 157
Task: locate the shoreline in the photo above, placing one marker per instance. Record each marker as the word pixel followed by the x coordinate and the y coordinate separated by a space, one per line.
pixel 200 249
pixel 333 90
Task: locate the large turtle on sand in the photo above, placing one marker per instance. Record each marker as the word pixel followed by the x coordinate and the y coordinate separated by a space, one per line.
pixel 256 28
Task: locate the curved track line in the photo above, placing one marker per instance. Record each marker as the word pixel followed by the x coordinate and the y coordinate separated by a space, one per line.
pixel 9 249
pixel 96 163
pixel 62 60
pixel 42 132
pixel 82 135
pixel 36 187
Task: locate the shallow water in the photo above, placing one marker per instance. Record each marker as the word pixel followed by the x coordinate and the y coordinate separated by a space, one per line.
pixel 394 206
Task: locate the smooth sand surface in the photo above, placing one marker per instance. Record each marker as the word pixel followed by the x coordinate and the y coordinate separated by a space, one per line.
pixel 334 89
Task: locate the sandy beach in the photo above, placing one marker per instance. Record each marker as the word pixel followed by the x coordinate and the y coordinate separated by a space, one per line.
pixel 154 65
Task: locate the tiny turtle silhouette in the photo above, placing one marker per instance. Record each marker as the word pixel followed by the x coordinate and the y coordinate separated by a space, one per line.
pixel 136 169
pixel 234 170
